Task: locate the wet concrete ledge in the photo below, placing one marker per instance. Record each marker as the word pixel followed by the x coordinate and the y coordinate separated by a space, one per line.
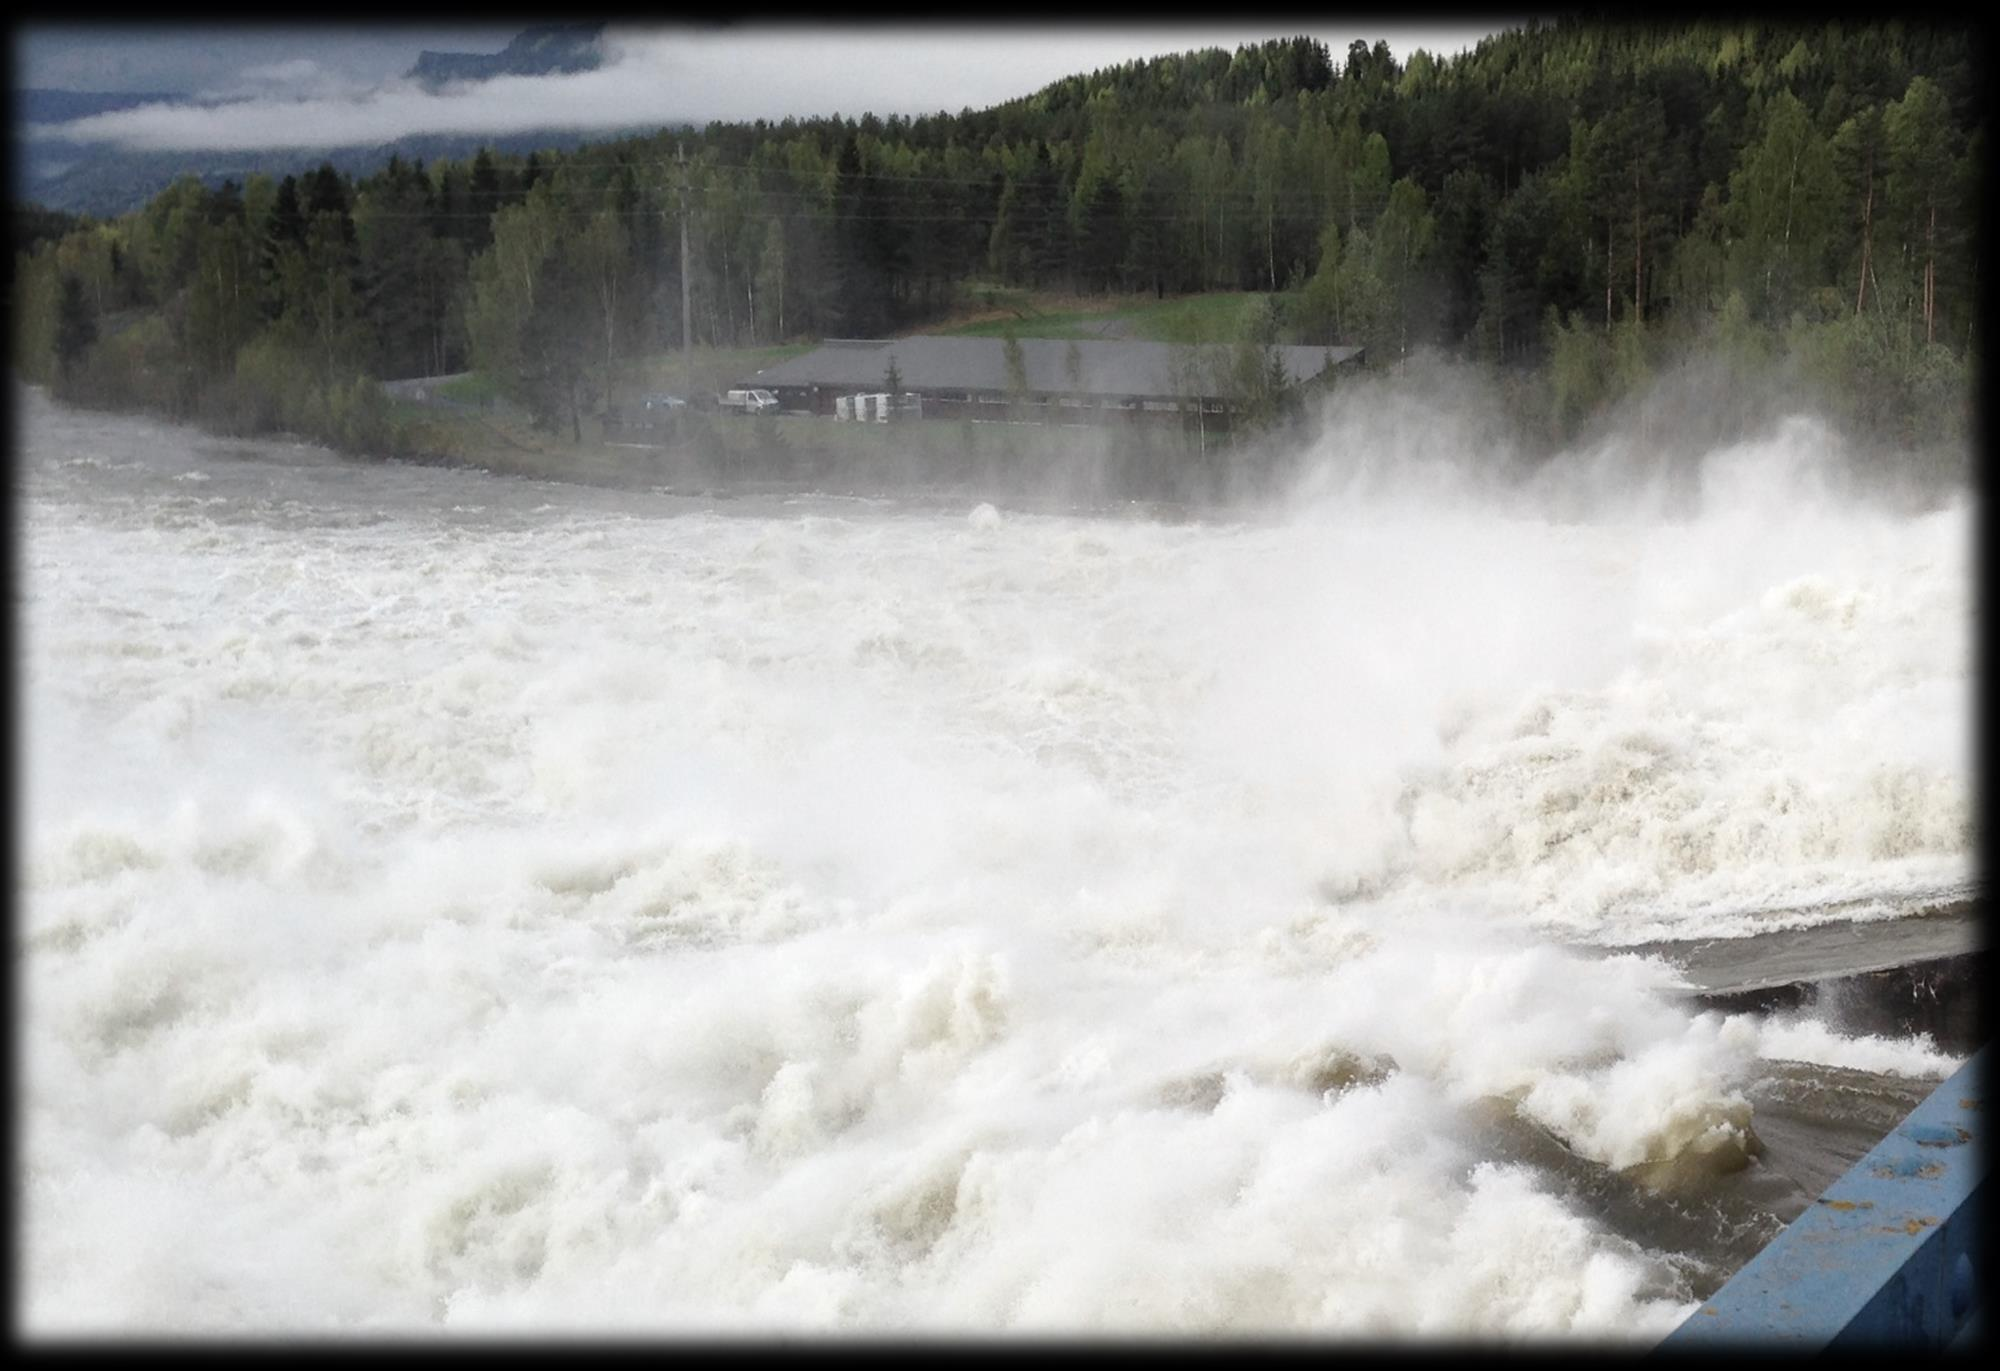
pixel 1939 996
pixel 1923 972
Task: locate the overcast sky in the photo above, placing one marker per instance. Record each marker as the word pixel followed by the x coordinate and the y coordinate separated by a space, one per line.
pixel 308 87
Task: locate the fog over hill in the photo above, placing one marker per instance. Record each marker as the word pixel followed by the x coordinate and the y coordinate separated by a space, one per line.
pixel 250 99
pixel 88 176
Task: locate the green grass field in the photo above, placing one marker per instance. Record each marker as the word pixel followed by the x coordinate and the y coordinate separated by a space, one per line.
pixel 1215 317
pixel 474 388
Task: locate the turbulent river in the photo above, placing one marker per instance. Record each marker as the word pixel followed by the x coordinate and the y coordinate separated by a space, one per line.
pixel 452 901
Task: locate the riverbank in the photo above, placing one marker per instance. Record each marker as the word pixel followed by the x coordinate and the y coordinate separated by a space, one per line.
pixel 1023 467
pixel 1026 466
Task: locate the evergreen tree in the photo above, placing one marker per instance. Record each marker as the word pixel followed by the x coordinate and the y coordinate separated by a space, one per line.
pixel 554 373
pixel 531 319
pixel 1859 150
pixel 484 200
pixel 223 305
pixel 1403 240
pixel 326 193
pixel 76 326
pixel 603 258
pixel 395 259
pixel 1922 143
pixel 1148 259
pixel 1782 199
pixel 859 307
pixel 1102 249
pixel 284 231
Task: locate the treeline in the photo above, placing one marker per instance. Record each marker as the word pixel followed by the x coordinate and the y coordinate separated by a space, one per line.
pixel 1570 203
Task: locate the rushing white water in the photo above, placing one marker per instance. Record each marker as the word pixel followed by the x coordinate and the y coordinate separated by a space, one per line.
pixel 453 900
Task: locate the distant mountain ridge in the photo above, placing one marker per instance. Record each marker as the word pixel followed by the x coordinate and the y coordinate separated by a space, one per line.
pixel 545 50
pixel 40 105
pixel 105 180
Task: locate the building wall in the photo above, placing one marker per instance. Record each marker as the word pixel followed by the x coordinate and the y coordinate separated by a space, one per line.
pixel 1001 407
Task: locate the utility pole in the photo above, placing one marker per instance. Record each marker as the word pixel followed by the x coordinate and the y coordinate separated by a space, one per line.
pixel 687 319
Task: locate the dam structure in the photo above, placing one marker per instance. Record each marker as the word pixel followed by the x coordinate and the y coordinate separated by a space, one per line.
pixel 1889 1255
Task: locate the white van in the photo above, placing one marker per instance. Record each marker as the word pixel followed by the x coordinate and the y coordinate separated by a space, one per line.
pixel 750 402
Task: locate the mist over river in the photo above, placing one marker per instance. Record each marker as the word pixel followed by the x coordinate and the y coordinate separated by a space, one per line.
pixel 470 902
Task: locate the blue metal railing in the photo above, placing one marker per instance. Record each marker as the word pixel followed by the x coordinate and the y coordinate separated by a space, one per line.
pixel 1889 1254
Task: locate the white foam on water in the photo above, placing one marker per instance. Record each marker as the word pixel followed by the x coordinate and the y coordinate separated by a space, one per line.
pixel 449 906
pixel 1807 1040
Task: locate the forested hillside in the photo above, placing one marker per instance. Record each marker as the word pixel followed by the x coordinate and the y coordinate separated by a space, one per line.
pixel 1568 203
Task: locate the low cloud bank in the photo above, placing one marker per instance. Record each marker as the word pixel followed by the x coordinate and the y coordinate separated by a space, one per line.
pixel 661 77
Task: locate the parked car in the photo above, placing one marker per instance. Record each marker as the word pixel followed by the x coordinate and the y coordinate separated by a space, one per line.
pixel 749 402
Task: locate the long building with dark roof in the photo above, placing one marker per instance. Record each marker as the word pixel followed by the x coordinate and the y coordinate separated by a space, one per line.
pixel 1080 380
